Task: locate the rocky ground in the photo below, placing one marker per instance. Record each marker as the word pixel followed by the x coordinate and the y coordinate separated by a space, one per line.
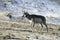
pixel 15 30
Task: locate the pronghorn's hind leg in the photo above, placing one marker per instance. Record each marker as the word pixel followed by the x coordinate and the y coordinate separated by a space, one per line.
pixel 46 26
pixel 44 22
pixel 41 26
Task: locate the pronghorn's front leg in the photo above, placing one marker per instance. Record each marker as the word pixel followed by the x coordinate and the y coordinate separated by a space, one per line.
pixel 33 22
pixel 30 22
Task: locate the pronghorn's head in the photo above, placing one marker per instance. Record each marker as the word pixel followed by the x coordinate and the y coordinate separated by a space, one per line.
pixel 25 14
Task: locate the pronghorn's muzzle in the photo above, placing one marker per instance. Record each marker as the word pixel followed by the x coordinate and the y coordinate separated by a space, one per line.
pixel 23 17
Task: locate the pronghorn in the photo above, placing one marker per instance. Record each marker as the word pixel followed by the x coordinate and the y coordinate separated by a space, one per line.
pixel 36 19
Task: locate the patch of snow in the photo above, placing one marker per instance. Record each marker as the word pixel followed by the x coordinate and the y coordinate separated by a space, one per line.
pixel 46 8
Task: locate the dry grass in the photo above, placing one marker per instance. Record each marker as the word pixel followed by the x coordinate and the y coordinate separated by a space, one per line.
pixel 23 30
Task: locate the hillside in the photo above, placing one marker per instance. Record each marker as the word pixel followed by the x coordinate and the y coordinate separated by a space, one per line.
pixel 24 31
pixel 17 28
pixel 48 8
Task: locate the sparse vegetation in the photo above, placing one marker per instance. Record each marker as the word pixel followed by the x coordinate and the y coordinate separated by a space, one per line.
pixel 23 30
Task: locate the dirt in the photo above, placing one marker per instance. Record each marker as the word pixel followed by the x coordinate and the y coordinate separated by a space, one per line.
pixel 13 30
